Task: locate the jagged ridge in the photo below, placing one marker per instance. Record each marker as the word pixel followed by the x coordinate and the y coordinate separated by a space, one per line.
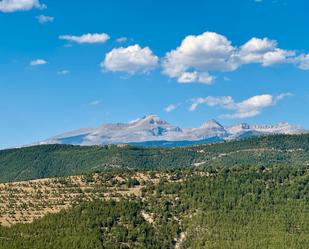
pixel 152 130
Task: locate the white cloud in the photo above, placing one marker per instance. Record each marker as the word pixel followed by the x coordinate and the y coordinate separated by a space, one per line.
pixel 302 61
pixel 86 38
pixel 63 72
pixel 263 51
pixel 201 54
pixel 95 102
pixel 189 77
pixel 247 108
pixel 277 56
pixel 211 101
pixel 45 19
pixel 38 62
pixel 19 5
pixel 251 107
pixel 282 96
pixel 131 59
pixel 171 107
pixel 256 45
pixel 121 39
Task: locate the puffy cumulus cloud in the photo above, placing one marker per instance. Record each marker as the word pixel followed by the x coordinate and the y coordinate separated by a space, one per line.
pixel 171 107
pixel 38 62
pixel 86 38
pixel 198 55
pixel 130 59
pixel 247 108
pixel 19 5
pixel 263 51
pixel 256 45
pixel 44 19
pixel 206 52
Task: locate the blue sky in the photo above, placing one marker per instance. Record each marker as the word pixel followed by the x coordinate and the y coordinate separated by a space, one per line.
pixel 62 66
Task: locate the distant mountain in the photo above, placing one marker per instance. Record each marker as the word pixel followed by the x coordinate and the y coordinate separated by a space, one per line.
pixel 151 130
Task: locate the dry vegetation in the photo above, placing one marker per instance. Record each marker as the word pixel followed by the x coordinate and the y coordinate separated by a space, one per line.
pixel 22 202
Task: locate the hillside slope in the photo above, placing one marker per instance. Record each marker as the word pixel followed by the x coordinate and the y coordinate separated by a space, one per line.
pixel 238 208
pixel 64 160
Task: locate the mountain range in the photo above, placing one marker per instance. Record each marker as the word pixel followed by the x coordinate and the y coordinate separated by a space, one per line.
pixel 151 130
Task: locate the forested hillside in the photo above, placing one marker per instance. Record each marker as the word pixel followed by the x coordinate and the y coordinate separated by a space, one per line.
pixel 244 194
pixel 241 208
pixel 64 160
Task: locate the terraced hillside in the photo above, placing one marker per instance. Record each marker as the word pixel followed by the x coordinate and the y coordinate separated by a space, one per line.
pixel 23 202
pixel 241 207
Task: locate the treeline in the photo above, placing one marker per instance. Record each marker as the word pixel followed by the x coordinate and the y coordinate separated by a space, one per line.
pixel 64 160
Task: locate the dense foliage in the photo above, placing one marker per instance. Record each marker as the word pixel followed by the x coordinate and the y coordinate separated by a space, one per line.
pixel 63 160
pixel 240 207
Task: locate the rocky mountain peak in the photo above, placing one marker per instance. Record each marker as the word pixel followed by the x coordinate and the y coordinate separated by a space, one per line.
pixel 150 119
pixel 152 128
pixel 212 124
